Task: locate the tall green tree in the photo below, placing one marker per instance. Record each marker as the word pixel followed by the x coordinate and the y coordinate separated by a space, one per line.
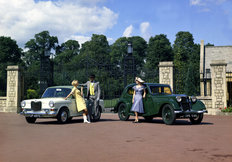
pixel 42 46
pixel 159 49
pixel 10 54
pixel 97 49
pixel 119 51
pixel 186 56
pixel 65 62
pixel 139 52
pixel 67 51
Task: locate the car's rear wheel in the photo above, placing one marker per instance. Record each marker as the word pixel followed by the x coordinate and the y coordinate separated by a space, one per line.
pixel 168 115
pixel 148 118
pixel 30 119
pixel 63 116
pixel 196 120
pixel 122 114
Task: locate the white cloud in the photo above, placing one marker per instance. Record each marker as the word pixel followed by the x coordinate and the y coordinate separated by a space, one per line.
pixel 195 2
pixel 22 19
pixel 80 38
pixel 144 29
pixel 128 31
pixel 206 2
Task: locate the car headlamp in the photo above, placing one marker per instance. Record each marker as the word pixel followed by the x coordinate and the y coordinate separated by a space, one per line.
pixel 193 99
pixel 178 98
pixel 51 104
pixel 23 103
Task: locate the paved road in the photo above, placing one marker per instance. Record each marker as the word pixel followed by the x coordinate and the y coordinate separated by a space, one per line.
pixel 114 140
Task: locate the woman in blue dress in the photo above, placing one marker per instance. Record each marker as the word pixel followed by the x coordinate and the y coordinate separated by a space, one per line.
pixel 139 94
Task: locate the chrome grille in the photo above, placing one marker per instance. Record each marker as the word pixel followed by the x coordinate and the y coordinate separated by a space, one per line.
pixel 36 106
pixel 185 104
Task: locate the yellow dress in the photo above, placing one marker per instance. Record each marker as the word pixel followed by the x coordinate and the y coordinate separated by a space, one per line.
pixel 80 102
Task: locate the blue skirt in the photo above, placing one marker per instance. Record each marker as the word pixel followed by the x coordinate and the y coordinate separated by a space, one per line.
pixel 138 104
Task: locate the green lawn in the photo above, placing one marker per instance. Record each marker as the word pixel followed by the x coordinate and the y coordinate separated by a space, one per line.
pixel 110 103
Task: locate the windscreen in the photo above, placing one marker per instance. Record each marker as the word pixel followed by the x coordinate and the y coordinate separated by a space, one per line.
pixel 56 92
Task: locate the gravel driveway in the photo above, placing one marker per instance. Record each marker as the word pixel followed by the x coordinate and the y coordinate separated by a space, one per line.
pixel 111 140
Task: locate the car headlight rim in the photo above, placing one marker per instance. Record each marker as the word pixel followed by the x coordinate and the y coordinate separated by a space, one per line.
pixel 193 99
pixel 23 103
pixel 178 98
pixel 51 103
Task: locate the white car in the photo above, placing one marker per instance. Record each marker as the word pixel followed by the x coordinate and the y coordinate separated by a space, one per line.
pixel 53 105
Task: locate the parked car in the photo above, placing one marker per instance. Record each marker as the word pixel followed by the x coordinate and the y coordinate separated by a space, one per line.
pixel 161 102
pixel 53 105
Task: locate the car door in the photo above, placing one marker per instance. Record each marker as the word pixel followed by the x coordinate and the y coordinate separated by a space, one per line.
pixel 73 107
pixel 152 101
pixel 128 97
pixel 148 103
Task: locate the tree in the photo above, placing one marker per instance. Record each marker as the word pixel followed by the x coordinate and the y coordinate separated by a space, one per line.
pixel 139 52
pixel 10 54
pixel 67 51
pixel 39 51
pixel 186 56
pixel 37 47
pixel 97 49
pixel 159 49
pixel 119 51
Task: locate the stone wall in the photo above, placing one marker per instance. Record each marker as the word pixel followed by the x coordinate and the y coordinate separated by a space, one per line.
pixel 219 86
pixel 166 73
pixel 218 52
pixel 11 102
pixel 13 88
pixel 2 104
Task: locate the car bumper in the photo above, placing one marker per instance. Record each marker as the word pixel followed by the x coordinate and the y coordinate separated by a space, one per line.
pixel 191 112
pixel 40 114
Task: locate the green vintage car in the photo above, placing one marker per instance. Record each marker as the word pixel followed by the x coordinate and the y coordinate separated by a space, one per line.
pixel 161 102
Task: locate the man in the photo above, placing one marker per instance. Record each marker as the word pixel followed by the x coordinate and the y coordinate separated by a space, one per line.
pixel 93 97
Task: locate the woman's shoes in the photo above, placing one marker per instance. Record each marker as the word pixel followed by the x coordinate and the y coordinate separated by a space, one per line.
pixel 85 119
pixel 136 121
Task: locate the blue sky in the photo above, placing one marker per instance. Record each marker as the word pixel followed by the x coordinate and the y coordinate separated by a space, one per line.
pixel 208 20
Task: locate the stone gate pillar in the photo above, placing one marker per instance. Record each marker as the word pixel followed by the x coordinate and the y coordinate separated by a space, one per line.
pixel 219 87
pixel 13 89
pixel 166 73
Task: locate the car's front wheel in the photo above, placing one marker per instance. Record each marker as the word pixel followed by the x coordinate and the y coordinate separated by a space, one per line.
pixel 62 116
pixel 196 120
pixel 122 114
pixel 30 119
pixel 168 115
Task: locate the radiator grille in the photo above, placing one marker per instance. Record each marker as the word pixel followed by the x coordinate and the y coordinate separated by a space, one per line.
pixel 185 104
pixel 36 106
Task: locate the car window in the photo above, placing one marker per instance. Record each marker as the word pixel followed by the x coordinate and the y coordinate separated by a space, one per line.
pixel 130 91
pixel 167 90
pixel 160 89
pixel 56 92
pixel 155 89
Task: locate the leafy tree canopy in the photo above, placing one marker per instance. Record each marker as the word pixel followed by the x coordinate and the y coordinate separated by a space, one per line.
pixel 159 49
pixel 39 46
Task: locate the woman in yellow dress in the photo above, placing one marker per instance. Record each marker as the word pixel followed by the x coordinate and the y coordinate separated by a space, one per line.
pixel 80 102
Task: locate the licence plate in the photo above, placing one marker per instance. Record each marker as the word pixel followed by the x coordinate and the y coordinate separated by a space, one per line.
pixel 190 115
pixel 36 116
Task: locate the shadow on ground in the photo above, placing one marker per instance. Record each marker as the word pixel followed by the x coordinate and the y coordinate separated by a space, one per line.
pixel 179 122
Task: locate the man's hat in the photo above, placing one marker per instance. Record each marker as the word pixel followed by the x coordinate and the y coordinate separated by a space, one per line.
pixel 92 76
